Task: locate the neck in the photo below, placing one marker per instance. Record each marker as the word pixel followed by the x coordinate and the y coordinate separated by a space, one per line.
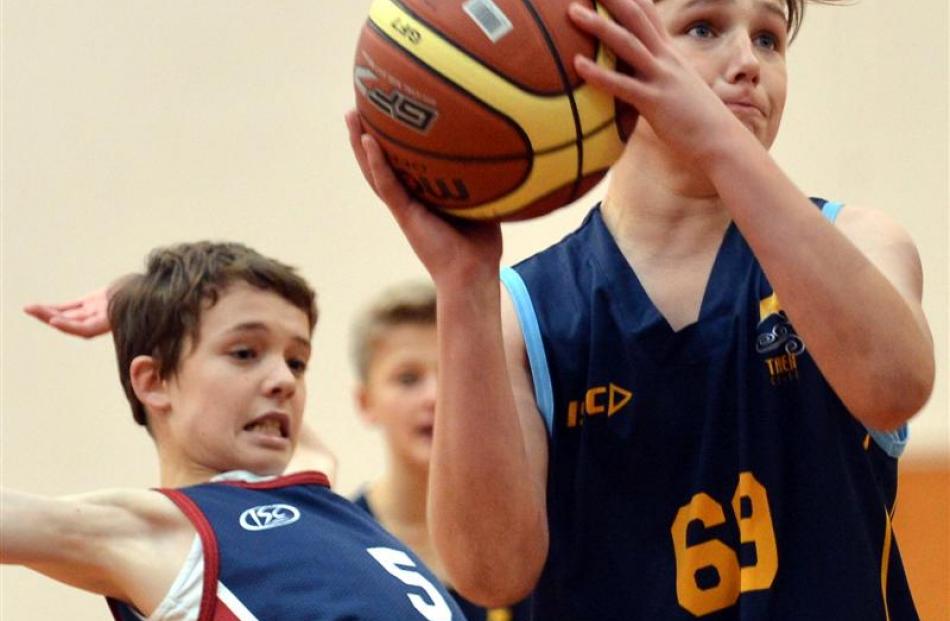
pixel 174 475
pixel 658 204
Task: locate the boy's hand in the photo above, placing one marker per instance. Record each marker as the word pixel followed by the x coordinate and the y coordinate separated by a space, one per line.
pixel 663 86
pixel 85 317
pixel 451 250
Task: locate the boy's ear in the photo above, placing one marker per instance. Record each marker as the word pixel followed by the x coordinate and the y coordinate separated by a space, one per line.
pixel 148 384
pixel 363 400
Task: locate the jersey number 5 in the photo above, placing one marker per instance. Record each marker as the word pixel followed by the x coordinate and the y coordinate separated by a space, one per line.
pixel 750 504
pixel 396 563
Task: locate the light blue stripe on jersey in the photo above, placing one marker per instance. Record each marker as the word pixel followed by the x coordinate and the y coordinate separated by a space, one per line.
pixel 892 442
pixel 531 331
pixel 830 210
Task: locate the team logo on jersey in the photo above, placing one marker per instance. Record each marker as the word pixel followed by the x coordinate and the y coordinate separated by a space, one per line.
pixel 777 342
pixel 606 400
pixel 269 516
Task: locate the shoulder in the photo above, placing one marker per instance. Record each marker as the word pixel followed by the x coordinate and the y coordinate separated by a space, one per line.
pixel 886 244
pixel 119 525
pixel 869 225
pixel 114 513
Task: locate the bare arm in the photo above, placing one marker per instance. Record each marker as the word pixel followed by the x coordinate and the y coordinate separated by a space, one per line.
pixel 487 478
pixel 489 462
pixel 123 544
pixel 852 292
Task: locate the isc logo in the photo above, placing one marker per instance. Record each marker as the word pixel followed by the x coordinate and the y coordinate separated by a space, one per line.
pixel 598 400
pixel 269 516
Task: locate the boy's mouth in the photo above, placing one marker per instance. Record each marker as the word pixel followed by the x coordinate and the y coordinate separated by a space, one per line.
pixel 272 425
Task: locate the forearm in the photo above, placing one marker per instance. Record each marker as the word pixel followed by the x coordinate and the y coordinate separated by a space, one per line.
pixel 869 341
pixel 487 513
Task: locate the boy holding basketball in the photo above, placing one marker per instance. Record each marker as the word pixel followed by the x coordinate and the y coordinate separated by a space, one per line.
pixel 693 405
pixel 212 343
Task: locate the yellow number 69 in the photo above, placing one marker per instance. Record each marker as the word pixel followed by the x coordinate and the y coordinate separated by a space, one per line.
pixel 755 528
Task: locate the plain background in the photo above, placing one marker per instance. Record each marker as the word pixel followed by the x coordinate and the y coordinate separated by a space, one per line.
pixel 131 124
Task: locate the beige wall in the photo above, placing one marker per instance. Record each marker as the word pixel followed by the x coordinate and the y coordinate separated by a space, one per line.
pixel 129 124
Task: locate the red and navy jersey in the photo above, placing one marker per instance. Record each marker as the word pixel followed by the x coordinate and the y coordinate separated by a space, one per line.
pixel 289 549
pixel 521 611
pixel 708 472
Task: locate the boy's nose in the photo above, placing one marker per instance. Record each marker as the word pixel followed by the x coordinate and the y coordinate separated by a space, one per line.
pixel 281 382
pixel 744 63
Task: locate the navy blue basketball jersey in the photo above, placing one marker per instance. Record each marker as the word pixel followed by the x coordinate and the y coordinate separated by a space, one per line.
pixel 472 611
pixel 289 549
pixel 709 472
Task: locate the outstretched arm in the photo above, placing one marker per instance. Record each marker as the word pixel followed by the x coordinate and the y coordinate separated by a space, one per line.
pixel 123 544
pixel 852 291
pixel 488 468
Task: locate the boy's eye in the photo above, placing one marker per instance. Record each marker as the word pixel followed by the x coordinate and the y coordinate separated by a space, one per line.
pixel 297 365
pixel 701 30
pixel 407 378
pixel 243 353
pixel 766 40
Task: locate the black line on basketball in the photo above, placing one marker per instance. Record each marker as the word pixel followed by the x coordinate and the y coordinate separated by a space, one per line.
pixel 558 61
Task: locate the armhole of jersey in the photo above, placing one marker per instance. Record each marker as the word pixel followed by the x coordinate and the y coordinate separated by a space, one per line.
pixel 209 544
pixel 891 442
pixel 122 611
pixel 534 346
pixel 183 600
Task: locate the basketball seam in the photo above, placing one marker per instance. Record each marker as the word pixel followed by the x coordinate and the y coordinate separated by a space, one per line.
pixel 568 91
pixel 484 158
pixel 525 138
pixel 492 197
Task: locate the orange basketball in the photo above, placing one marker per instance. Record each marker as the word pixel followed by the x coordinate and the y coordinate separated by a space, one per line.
pixel 478 107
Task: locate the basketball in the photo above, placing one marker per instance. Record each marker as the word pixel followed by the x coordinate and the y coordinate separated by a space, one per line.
pixel 478 107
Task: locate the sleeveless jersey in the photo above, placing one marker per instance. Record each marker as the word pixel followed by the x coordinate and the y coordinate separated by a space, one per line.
pixel 289 549
pixel 472 611
pixel 709 472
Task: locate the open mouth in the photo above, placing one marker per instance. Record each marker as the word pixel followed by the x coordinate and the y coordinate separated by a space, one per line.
pixel 273 426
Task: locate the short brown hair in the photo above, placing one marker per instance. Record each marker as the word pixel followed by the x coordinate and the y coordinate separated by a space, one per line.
pixel 153 313
pixel 409 303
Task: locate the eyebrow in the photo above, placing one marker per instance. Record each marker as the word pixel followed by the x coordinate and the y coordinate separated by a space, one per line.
pixel 768 5
pixel 257 326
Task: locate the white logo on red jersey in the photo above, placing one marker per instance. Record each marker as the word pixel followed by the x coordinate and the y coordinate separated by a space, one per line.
pixel 269 516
